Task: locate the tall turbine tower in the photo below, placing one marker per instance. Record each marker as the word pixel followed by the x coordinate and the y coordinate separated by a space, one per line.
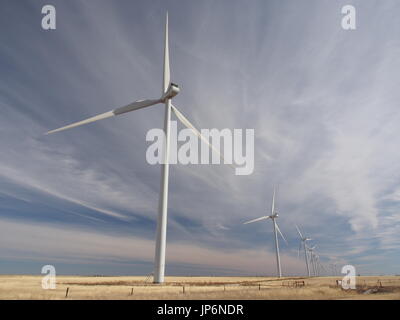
pixel 169 91
pixel 161 238
pixel 273 217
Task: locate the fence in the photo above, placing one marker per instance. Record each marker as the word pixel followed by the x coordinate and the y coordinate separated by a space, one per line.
pixel 134 289
pixel 149 288
pixel 294 284
pixel 375 283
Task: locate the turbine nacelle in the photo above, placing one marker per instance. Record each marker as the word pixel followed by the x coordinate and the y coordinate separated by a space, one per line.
pixel 171 92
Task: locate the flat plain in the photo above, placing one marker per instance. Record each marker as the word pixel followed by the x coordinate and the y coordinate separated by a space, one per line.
pixel 27 287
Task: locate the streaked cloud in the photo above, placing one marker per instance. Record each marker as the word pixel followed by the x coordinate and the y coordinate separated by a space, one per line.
pixel 322 101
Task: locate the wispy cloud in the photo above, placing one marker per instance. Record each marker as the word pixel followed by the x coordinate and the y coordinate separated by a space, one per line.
pixel 54 243
pixel 322 101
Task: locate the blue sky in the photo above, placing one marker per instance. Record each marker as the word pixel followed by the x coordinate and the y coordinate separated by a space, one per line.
pixel 323 103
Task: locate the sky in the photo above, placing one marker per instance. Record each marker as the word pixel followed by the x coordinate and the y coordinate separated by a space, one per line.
pixel 323 103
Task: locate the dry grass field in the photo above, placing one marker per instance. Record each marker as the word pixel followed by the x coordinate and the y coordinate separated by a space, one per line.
pixel 207 288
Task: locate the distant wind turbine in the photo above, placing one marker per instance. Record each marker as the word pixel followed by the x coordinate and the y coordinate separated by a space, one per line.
pixel 331 266
pixel 324 270
pixel 320 268
pixel 303 241
pixel 313 257
pixel 169 91
pixel 273 217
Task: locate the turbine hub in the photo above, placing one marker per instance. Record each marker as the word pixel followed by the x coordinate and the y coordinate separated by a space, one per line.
pixel 171 92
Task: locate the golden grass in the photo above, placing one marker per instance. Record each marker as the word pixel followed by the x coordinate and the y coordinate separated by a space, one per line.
pixel 208 288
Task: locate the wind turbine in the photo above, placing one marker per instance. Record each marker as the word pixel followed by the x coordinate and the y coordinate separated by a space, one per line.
pixel 273 217
pixel 169 91
pixel 313 259
pixel 324 270
pixel 303 241
pixel 317 264
pixel 332 269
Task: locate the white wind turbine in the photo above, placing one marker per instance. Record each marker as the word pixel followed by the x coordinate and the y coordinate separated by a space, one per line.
pixel 324 270
pixel 336 273
pixel 331 266
pixel 321 270
pixel 303 241
pixel 273 217
pixel 317 264
pixel 313 257
pixel 169 90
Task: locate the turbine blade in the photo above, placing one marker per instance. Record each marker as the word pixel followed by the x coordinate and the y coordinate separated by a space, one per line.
pixel 130 107
pixel 258 219
pixel 136 105
pixel 298 251
pixel 80 123
pixel 187 124
pixel 273 204
pixel 298 230
pixel 166 75
pixel 279 230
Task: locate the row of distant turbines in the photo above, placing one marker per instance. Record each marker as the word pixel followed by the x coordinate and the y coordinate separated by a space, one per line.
pixel 169 91
pixel 313 264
